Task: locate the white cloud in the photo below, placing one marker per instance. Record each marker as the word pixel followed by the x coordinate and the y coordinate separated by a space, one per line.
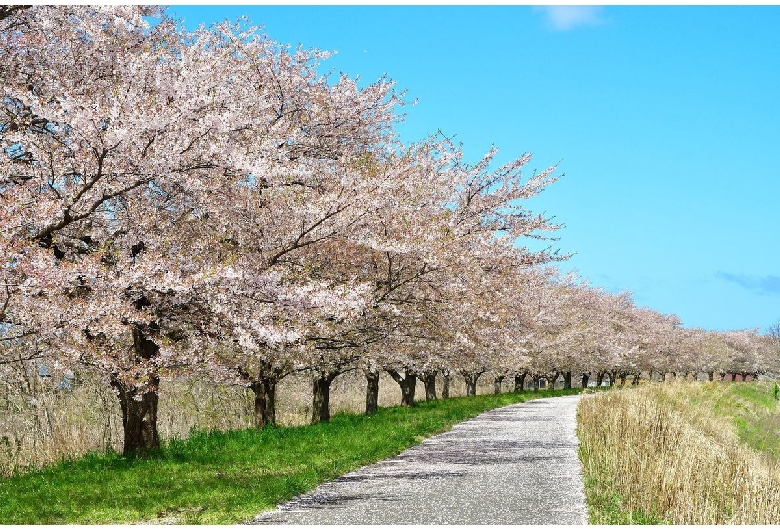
pixel 564 18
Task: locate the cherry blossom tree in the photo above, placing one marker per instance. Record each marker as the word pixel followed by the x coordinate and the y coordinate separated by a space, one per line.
pixel 123 177
pixel 67 179
pixel 419 249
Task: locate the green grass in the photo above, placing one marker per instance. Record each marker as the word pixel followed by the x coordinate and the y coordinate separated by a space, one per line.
pixel 753 411
pixel 222 478
pixel 606 506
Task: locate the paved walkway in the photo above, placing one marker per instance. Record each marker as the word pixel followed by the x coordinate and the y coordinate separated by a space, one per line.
pixel 513 465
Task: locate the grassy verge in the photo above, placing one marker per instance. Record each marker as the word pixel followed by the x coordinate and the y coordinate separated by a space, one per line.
pixel 607 506
pixel 753 411
pixel 220 478
pixel 682 453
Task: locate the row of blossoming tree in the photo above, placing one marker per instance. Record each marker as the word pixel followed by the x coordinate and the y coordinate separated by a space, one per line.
pixel 206 204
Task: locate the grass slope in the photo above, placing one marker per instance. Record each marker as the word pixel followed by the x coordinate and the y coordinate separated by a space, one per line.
pixel 682 453
pixel 222 478
pixel 753 411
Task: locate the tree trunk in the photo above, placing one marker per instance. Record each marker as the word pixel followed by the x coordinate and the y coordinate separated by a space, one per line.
pixel 408 389
pixel 623 379
pixel 711 376
pixel 139 416
pixel 635 382
pixel 535 382
pixel 445 385
pixel 471 382
pixel 429 380
pixel 567 379
pixel 139 405
pixel 599 378
pixel 585 380
pixel 320 407
pixel 372 391
pixel 408 384
pixel 265 401
pixel 520 382
pixel 497 384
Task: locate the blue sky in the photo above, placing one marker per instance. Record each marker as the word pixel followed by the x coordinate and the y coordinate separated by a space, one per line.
pixel 665 121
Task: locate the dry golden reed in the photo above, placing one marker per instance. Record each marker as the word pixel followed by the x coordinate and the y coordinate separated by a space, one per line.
pixel 664 451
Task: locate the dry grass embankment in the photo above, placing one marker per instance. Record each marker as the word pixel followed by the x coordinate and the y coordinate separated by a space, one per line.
pixel 682 453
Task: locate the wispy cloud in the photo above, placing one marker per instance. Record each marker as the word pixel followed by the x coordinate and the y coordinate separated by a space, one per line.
pixel 761 285
pixel 564 18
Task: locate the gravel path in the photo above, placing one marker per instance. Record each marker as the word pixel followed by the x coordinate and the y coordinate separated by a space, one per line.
pixel 513 465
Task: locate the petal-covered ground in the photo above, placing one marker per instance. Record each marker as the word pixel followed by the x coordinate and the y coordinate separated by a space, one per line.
pixel 513 465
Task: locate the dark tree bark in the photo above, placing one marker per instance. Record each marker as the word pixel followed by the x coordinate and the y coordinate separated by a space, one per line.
pixel 497 384
pixel 599 378
pixel 520 382
pixel 263 386
pixel 429 380
pixel 408 384
pixel 623 379
pixel 139 415
pixel 535 382
pixel 321 396
pixel 635 381
pixel 585 380
pixel 139 402
pixel 445 385
pixel 7 11
pixel 372 390
pixel 264 390
pixel 471 382
pixel 567 379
